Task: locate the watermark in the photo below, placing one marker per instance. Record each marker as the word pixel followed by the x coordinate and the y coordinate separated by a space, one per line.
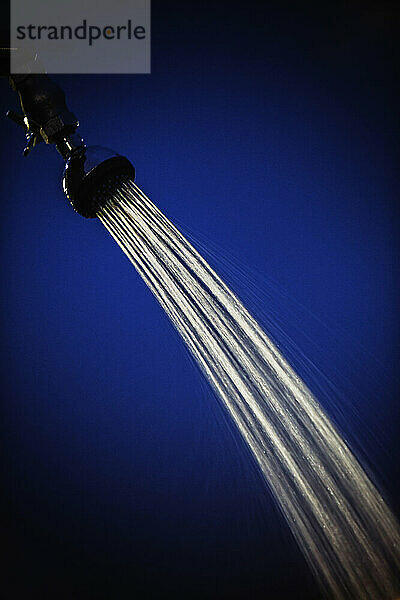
pixel 80 36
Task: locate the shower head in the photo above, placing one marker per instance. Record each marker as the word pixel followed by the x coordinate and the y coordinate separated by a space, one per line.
pixel 92 174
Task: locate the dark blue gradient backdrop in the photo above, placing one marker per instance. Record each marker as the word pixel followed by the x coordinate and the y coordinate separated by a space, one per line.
pixel 271 133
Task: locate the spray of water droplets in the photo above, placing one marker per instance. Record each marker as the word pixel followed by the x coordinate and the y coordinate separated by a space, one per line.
pixel 346 531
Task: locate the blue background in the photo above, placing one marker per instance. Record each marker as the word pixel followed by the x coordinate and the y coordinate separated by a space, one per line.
pixel 270 134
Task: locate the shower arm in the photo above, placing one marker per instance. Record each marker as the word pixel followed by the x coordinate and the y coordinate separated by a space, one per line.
pixel 45 116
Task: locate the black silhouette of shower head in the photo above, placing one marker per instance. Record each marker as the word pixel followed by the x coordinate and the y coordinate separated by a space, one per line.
pixel 92 174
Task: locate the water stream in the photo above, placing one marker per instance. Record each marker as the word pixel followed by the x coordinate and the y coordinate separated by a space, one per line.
pixel 343 526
